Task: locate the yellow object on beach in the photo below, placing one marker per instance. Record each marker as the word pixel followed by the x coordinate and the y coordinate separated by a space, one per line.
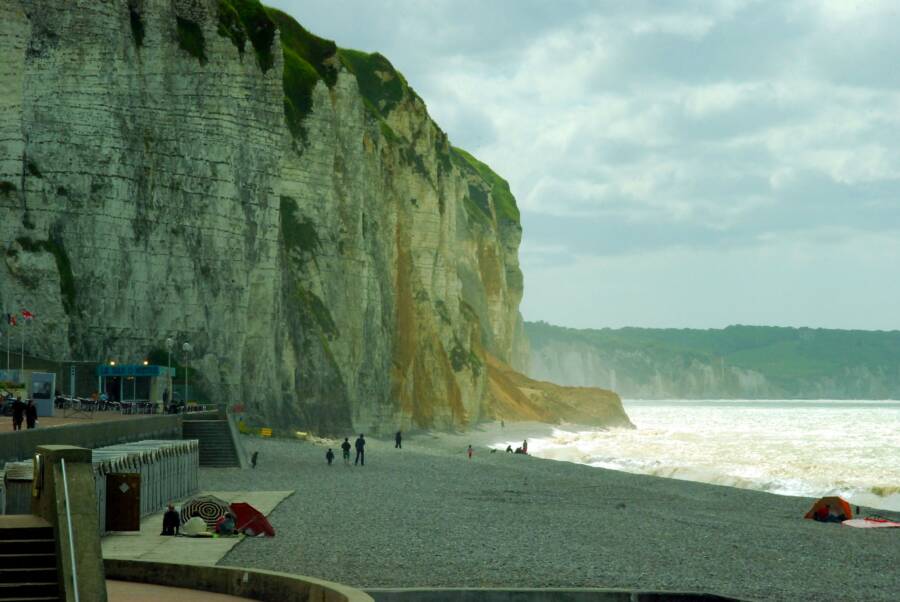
pixel 265 432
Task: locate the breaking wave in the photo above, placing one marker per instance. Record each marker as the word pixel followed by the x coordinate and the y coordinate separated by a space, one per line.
pixel 789 448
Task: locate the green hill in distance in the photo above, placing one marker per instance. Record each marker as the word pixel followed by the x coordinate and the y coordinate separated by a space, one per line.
pixel 735 362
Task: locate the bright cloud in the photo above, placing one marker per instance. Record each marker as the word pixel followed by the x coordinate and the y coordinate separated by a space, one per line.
pixel 742 147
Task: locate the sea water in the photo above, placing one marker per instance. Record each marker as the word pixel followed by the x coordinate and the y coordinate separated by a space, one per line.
pixel 803 448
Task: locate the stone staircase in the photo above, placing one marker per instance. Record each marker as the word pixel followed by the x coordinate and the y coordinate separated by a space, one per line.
pixel 27 560
pixel 217 448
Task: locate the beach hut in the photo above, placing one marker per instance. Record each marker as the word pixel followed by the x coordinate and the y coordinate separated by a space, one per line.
pixel 838 504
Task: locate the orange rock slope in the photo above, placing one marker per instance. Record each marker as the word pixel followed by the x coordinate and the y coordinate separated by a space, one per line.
pixel 514 396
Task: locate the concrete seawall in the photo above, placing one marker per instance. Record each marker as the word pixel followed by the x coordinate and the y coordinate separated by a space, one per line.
pixel 235 581
pixel 21 445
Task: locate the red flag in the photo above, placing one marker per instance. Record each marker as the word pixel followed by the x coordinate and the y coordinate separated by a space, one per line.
pixel 27 315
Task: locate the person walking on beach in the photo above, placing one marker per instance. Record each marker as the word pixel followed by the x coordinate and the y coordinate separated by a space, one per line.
pixel 398 440
pixel 18 410
pixel 360 451
pixel 469 452
pixel 345 447
pixel 329 456
pixel 30 415
pixel 525 446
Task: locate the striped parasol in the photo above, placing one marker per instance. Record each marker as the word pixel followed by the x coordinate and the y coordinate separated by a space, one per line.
pixel 209 507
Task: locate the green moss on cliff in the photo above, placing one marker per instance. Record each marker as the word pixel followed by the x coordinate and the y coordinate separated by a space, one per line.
pixel 190 39
pixel 297 234
pixel 314 313
pixel 137 26
pixel 380 84
pixel 54 246
pixel 231 27
pixel 33 169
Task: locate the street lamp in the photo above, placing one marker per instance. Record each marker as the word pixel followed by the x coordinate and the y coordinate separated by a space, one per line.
pixel 170 342
pixel 187 368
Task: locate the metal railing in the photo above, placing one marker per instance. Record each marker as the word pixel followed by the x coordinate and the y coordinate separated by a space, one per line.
pixel 62 463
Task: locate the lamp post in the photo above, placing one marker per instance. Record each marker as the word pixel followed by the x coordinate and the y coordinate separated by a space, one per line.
pixel 187 368
pixel 170 342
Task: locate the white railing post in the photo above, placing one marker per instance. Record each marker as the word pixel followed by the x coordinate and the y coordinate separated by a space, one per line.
pixel 62 463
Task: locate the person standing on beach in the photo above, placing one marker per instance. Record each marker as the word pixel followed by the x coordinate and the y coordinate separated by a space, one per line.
pixel 345 447
pixel 469 452
pixel 525 446
pixel 360 451
pixel 329 456
pixel 18 410
pixel 398 440
pixel 30 414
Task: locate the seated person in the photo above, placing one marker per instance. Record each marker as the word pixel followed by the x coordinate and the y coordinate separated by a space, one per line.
pixel 225 525
pixel 171 522
pixel 509 449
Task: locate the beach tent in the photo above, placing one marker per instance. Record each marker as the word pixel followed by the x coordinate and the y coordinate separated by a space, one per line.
pixel 836 503
pixel 209 507
pixel 251 521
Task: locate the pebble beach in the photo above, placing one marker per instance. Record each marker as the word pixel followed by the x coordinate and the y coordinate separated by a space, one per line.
pixel 426 515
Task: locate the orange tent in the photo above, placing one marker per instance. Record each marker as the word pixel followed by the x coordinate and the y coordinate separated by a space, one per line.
pixel 838 504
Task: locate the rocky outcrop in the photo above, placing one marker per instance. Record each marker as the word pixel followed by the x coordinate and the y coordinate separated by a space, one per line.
pixel 514 396
pixel 208 170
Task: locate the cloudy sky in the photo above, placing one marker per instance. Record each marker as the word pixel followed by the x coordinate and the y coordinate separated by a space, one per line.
pixel 681 164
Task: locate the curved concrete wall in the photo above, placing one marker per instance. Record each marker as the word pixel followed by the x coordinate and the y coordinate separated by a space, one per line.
pixel 535 595
pixel 267 586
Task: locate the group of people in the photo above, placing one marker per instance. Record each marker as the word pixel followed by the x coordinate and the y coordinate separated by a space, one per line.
pixel 196 526
pixel 22 412
pixel 360 445
pixel 519 450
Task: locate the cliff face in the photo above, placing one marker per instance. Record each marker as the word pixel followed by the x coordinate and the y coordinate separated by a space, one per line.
pixel 514 396
pixel 210 171
pixel 739 362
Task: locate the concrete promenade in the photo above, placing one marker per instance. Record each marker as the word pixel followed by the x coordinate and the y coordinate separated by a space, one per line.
pixel 148 544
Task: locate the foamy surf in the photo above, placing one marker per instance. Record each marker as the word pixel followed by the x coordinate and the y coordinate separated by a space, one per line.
pixel 801 448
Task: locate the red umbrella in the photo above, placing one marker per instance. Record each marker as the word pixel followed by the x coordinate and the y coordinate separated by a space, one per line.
pixel 250 520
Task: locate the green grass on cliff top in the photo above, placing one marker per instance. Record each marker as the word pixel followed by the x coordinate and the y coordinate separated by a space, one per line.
pixel 243 19
pixel 309 58
pixel 504 201
pixel 380 84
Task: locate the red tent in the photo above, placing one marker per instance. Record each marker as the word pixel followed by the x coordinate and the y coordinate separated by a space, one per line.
pixel 250 521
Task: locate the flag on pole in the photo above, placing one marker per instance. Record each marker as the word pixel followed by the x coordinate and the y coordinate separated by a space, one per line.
pixel 27 315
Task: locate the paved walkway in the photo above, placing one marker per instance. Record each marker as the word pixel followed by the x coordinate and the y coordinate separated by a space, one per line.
pixel 148 544
pixel 61 418
pixel 126 591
